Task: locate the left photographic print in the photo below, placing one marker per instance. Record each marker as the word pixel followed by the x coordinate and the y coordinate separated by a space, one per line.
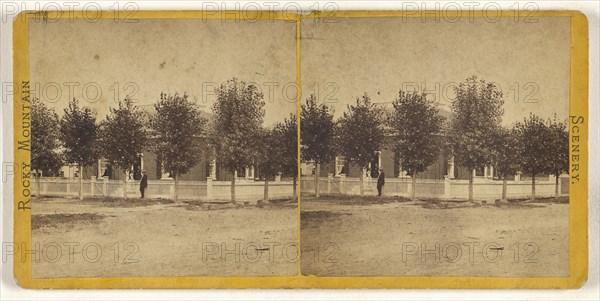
pixel 163 147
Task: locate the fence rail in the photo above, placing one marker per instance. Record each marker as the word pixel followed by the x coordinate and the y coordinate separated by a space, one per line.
pixel 442 189
pixel 210 190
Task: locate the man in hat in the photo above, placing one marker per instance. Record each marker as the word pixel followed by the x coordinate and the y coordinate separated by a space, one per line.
pixel 143 183
pixel 380 181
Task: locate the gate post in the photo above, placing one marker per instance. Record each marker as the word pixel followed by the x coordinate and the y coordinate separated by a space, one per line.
pixel 209 188
pixel 93 188
pixel 172 190
pixel 447 187
pixel 105 186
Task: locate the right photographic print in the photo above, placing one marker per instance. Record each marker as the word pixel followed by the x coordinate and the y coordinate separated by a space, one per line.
pixel 435 146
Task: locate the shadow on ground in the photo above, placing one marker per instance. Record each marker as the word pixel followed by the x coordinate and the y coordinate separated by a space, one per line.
pixel 61 219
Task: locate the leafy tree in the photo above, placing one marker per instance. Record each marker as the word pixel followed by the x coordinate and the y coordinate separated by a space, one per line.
pixel 45 143
pixel 123 136
pixel 535 143
pixel 239 113
pixel 558 160
pixel 418 126
pixel 278 152
pixel 284 148
pixel 477 113
pixel 267 158
pixel 505 155
pixel 316 135
pixel 78 133
pixel 361 134
pixel 176 127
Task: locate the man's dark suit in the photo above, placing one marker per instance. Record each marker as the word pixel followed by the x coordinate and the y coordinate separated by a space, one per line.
pixel 143 184
pixel 380 182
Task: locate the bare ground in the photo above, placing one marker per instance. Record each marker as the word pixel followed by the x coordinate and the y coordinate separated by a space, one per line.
pixel 398 237
pixel 133 237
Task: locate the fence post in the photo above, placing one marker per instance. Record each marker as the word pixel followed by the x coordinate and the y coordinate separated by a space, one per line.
pixel 560 184
pixel 105 186
pixel 172 190
pixel 329 180
pixel 409 188
pixel 447 187
pixel 209 188
pixel 93 188
pixel 342 178
pixel 44 184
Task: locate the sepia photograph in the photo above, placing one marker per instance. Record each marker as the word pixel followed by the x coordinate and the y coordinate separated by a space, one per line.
pixel 301 149
pixel 435 148
pixel 163 147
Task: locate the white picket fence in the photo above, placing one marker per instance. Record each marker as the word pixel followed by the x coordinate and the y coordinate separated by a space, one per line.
pixel 245 190
pixel 448 189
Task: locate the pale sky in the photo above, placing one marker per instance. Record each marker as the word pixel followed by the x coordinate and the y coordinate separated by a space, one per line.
pixel 340 60
pixel 163 55
pixel 378 55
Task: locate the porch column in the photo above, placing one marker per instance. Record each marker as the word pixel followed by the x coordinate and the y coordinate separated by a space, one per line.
pixel 213 169
pixel 451 168
pixel 99 174
pixel 164 175
pixel 401 173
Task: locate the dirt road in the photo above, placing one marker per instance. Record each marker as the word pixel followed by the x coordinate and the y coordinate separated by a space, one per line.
pixel 115 238
pixel 434 238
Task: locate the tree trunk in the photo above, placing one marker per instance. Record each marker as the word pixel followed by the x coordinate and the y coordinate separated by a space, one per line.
pixel 266 191
pixel 317 180
pixel 176 192
pixel 556 187
pixel 504 188
pixel 414 186
pixel 533 186
pixel 80 182
pixel 295 187
pixel 362 183
pixel 470 184
pixel 233 188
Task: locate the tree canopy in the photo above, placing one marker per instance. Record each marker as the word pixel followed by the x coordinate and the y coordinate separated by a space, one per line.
pixel 316 131
pixel 45 143
pixel 535 145
pixel 239 113
pixel 558 161
pixel 418 125
pixel 78 133
pixel 123 135
pixel 505 156
pixel 477 113
pixel 175 128
pixel 361 132
pixel 286 145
